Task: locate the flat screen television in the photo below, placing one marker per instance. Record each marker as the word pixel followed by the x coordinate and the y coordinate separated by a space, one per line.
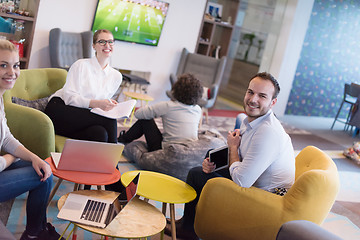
pixel 136 21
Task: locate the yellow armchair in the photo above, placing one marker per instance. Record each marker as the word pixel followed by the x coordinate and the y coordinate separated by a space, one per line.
pixel 32 127
pixel 228 211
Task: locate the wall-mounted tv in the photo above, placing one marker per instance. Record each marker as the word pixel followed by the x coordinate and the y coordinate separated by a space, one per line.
pixel 136 21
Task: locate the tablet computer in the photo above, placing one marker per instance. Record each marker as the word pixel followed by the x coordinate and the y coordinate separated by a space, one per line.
pixel 220 156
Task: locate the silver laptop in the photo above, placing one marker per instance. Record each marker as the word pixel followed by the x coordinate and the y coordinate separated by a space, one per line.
pixel 94 211
pixel 88 156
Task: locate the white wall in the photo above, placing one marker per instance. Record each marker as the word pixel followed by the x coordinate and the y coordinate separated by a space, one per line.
pixel 180 30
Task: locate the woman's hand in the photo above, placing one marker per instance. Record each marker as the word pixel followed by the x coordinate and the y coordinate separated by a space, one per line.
pixel 41 168
pixel 103 104
pixel 208 166
pixel 39 165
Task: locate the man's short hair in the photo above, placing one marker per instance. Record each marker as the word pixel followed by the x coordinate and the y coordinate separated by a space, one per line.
pixel 268 76
pixel 187 89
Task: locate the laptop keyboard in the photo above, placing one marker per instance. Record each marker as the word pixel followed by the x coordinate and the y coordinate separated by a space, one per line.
pixel 93 211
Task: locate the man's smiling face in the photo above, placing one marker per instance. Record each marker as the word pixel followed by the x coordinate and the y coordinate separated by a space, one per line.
pixel 259 98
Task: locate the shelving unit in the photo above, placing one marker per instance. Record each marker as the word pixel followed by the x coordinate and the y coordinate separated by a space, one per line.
pixel 218 33
pixel 30 22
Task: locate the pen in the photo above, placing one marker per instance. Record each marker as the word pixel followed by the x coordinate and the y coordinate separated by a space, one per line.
pixel 109 100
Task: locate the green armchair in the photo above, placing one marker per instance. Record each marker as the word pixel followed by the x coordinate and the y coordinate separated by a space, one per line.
pixel 32 127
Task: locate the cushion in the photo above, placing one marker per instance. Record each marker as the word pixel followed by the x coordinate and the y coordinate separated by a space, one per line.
pixel 303 230
pixel 353 152
pixel 175 159
pixel 206 94
pixel 39 104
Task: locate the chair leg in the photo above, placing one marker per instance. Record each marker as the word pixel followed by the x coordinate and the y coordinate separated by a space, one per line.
pixel 356 132
pixel 56 187
pixel 347 125
pixel 172 218
pixel 337 114
pixel 206 115
pixel 204 111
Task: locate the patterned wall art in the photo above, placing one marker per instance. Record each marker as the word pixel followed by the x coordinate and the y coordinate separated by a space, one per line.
pixel 330 57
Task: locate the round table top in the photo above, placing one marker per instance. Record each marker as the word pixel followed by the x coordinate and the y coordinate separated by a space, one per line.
pixel 139 96
pixel 138 219
pixel 160 187
pixel 87 178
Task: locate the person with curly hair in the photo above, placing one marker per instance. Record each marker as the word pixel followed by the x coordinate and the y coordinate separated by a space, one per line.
pixel 180 116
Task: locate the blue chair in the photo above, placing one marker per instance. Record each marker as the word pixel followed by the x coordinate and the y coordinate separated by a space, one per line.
pixel 239 119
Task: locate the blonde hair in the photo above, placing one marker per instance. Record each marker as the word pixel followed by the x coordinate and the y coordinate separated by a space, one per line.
pixel 7 45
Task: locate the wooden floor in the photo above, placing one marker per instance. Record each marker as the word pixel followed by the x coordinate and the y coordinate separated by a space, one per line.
pixel 240 74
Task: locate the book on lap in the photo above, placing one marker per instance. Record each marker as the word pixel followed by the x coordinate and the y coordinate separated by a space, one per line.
pixel 121 110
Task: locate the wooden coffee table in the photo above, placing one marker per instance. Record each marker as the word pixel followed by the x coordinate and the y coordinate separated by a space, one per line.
pixel 163 188
pixel 138 219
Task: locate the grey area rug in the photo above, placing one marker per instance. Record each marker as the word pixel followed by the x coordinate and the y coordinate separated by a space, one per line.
pixel 300 141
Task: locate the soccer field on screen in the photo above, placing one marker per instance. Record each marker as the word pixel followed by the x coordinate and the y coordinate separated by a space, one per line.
pixel 129 21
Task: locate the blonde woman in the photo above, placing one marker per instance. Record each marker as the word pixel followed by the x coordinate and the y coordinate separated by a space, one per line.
pixel 21 170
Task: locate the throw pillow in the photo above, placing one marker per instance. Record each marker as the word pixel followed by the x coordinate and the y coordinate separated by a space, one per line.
pixel 206 94
pixel 353 152
pixel 39 104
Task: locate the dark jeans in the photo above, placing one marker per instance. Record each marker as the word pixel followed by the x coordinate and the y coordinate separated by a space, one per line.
pixel 20 177
pixel 197 179
pixel 149 129
pixel 80 123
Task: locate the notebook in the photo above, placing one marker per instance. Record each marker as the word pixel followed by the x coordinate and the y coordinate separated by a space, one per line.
pixel 94 211
pixel 88 156
pixel 121 110
pixel 220 156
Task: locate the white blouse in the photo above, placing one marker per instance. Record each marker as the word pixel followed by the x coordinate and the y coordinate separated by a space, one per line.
pixel 86 80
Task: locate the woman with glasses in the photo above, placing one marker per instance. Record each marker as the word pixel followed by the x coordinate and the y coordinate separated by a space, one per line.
pixel 90 83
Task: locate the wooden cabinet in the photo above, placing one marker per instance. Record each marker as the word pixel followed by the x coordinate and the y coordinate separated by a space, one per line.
pixel 216 33
pixel 29 27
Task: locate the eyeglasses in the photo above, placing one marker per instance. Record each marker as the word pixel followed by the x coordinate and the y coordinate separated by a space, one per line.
pixel 104 42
